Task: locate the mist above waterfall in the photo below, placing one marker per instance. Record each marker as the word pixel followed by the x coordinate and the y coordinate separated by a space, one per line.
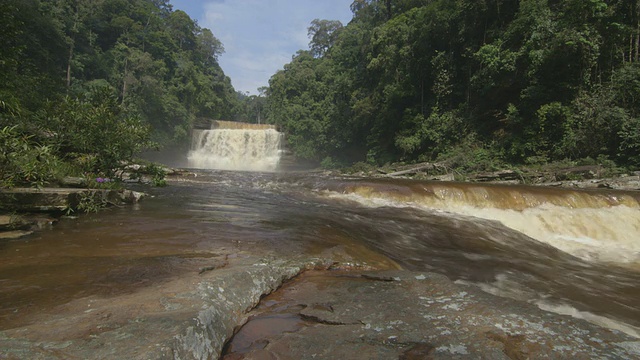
pixel 235 149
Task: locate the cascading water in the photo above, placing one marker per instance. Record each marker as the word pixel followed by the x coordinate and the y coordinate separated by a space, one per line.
pixel 244 149
pixel 600 226
pixel 592 277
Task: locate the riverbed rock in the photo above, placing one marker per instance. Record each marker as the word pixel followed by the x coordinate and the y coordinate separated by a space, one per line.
pixel 346 315
pixel 580 172
pixel 416 315
pixel 13 226
pixel 190 317
pixel 26 221
pixel 11 222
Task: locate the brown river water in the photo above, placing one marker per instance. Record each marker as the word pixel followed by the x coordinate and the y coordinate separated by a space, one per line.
pixel 571 252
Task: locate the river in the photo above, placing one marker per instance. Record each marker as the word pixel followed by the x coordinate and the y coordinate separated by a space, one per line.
pixel 568 251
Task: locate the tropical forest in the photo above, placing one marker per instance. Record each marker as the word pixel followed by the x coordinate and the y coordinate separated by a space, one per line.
pixel 409 179
pixel 479 84
pixel 88 84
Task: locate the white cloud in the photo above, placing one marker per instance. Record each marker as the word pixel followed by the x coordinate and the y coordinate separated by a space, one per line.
pixel 260 36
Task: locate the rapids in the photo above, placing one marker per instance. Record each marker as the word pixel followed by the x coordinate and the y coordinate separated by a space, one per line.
pixel 568 251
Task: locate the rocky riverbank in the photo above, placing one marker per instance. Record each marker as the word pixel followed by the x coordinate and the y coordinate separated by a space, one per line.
pixel 583 177
pixel 25 210
pixel 188 317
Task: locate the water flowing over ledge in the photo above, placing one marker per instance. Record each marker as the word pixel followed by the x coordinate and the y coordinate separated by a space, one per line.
pixel 593 225
pixel 236 146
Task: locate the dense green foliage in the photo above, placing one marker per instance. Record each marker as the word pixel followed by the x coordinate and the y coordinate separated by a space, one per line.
pixel 525 81
pixel 251 109
pixel 85 84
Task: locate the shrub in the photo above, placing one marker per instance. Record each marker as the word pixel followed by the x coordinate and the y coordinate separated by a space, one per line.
pixel 23 161
pixel 328 163
pixel 472 156
pixel 95 132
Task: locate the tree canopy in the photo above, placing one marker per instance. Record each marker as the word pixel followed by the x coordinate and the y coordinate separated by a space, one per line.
pixel 99 79
pixel 521 81
pixel 525 81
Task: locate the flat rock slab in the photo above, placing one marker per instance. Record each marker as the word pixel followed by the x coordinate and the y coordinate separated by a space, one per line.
pixel 14 234
pixel 337 315
pixel 189 317
pixel 409 315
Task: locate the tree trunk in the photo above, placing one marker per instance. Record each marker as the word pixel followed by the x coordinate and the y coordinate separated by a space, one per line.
pixel 124 80
pixel 631 48
pixel 389 12
pixel 637 41
pixel 69 65
pixel 632 43
pixel 144 33
pixel 419 167
pixel 72 43
pixel 422 97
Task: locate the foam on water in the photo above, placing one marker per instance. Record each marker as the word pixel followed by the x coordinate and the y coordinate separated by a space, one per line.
pixel 565 309
pixel 503 286
pixel 602 234
pixel 605 234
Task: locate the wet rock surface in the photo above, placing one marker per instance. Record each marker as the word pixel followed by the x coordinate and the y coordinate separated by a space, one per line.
pixel 189 317
pixel 13 226
pixel 319 313
pixel 412 315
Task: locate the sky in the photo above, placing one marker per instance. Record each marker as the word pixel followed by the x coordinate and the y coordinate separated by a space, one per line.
pixel 260 36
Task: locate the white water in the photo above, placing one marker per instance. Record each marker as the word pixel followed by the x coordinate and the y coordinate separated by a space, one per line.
pixel 604 234
pixel 599 233
pixel 504 287
pixel 607 234
pixel 236 149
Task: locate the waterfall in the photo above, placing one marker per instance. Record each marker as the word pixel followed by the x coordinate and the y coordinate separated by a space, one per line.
pixel 244 149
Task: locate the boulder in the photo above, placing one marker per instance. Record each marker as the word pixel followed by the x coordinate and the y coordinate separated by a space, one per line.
pixel 73 182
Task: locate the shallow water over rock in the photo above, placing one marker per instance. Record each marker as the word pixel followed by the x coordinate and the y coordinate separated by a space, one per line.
pixel 159 258
pixel 413 315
